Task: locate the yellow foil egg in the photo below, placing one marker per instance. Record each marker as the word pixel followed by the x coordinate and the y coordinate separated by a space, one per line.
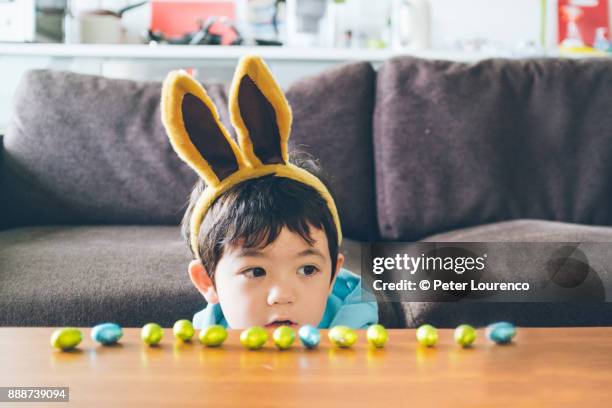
pixel 342 336
pixel 151 334
pixel 283 337
pixel 465 335
pixel 183 330
pixel 66 338
pixel 254 338
pixel 427 335
pixel 213 336
pixel 377 335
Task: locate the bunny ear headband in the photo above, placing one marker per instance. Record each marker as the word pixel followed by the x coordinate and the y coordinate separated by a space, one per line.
pixel 261 116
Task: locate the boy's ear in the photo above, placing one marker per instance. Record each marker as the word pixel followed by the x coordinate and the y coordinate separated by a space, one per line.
pixel 260 113
pixel 339 264
pixel 195 131
pixel 202 281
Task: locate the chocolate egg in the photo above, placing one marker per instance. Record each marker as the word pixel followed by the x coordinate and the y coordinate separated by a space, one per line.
pixel 106 333
pixel 309 336
pixel 151 333
pixel 213 336
pixel 377 335
pixel 427 335
pixel 283 337
pixel 342 336
pixel 66 338
pixel 183 330
pixel 501 332
pixel 465 335
pixel 254 338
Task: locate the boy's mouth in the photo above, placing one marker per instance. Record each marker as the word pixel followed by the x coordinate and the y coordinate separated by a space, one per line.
pixel 282 322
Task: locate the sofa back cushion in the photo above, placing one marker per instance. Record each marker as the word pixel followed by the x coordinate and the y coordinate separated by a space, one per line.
pixel 84 149
pixel 333 121
pixel 460 144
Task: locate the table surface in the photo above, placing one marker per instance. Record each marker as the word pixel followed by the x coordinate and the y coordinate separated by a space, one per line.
pixel 543 367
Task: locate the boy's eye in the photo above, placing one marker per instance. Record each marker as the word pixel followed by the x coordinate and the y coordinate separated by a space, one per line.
pixel 308 270
pixel 254 273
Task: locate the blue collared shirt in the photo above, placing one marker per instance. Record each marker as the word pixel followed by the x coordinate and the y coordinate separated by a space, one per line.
pixel 345 306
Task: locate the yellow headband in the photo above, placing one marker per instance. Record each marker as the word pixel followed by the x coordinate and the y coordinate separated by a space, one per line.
pixel 262 118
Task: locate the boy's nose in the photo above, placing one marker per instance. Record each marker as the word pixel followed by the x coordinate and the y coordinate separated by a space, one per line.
pixel 280 295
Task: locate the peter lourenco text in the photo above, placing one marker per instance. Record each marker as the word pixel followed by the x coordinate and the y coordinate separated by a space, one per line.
pixel 412 264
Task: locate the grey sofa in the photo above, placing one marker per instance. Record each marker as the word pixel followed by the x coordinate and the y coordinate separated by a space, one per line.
pixel 500 150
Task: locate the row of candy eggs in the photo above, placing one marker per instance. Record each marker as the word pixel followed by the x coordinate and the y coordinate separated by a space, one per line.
pixel 213 336
pixel 68 338
pixel 284 336
pixel 465 335
pixel 255 337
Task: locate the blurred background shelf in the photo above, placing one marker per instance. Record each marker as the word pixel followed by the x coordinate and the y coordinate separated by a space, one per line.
pixel 213 52
pixel 190 52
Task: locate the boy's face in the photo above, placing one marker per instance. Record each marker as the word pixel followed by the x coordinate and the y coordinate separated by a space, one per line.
pixel 287 282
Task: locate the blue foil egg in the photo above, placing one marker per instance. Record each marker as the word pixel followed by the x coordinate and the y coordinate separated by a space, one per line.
pixel 106 333
pixel 309 336
pixel 501 332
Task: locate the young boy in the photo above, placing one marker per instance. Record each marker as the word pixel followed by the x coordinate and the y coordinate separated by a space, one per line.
pixel 262 227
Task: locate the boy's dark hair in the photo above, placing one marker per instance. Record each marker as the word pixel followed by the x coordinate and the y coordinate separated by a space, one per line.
pixel 253 213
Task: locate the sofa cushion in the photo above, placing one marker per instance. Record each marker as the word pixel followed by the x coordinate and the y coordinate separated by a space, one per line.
pixel 84 149
pixel 526 230
pixel 88 149
pixel 583 313
pixel 459 145
pixel 83 275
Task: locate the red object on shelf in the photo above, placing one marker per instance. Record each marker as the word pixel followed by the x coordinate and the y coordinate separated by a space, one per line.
pixel 579 19
pixel 177 18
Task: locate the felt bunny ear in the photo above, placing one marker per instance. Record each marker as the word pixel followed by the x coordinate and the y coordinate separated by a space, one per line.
pixel 260 113
pixel 195 131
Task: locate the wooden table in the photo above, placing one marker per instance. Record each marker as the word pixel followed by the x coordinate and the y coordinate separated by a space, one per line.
pixel 543 368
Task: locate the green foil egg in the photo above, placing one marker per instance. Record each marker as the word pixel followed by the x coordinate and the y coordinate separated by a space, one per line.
pixel 342 336
pixel 427 335
pixel 183 330
pixel 254 338
pixel 213 336
pixel 465 335
pixel 377 335
pixel 283 337
pixel 66 338
pixel 151 334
